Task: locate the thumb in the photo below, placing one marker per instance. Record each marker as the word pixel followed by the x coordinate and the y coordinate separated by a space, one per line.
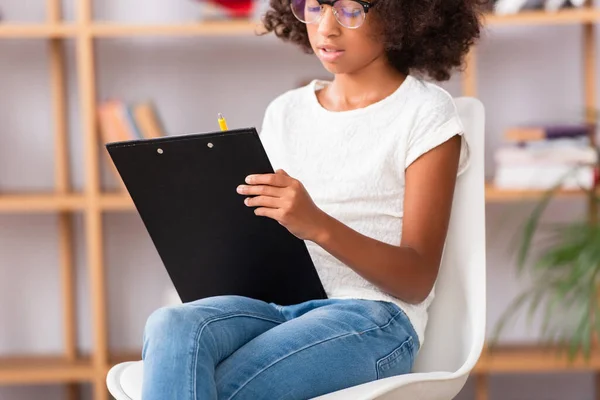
pixel 282 172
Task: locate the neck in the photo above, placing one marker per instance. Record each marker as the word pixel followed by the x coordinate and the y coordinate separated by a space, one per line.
pixel 367 85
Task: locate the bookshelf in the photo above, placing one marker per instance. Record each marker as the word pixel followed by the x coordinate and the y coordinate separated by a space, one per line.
pixel 45 370
pixel 71 368
pixel 49 202
pixel 57 29
pixel 567 16
pixel 532 359
pixel 495 195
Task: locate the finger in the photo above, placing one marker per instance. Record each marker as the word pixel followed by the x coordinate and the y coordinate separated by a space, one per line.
pixel 267 212
pixel 263 201
pixel 277 180
pixel 260 190
pixel 281 171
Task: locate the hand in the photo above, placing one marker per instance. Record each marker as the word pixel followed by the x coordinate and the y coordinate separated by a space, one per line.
pixel 284 199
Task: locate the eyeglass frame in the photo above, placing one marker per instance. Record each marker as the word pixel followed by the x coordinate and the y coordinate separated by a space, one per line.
pixel 366 5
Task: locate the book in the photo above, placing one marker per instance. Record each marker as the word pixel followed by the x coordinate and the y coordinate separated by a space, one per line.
pixel 544 177
pixel 114 127
pixel 537 133
pixel 504 7
pixel 546 155
pixel 555 5
pixel 129 120
pixel 147 120
pixel 119 121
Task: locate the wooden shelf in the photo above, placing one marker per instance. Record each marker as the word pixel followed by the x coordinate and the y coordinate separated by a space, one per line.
pixel 121 201
pixel 496 195
pixel 13 30
pixel 116 202
pixel 532 359
pixel 212 28
pixel 562 17
pixel 246 27
pixel 40 370
pixel 41 202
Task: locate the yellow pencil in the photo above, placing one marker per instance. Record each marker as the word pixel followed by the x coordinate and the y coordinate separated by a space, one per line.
pixel 222 122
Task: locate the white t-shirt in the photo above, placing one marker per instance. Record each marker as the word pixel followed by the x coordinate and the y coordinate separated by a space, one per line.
pixel 352 164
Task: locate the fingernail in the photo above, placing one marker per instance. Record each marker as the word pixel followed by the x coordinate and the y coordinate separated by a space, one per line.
pixel 249 179
pixel 246 201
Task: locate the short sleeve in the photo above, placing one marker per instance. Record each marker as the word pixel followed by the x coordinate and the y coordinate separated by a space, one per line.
pixel 267 122
pixel 438 121
pixel 268 134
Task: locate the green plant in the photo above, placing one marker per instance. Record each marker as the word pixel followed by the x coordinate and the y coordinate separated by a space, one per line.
pixel 565 279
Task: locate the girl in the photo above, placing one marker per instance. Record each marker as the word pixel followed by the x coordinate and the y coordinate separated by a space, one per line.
pixel 366 169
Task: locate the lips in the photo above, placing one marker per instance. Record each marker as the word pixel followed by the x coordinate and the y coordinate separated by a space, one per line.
pixel 330 53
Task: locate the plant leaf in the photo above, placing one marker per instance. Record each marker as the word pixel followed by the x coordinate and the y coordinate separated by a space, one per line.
pixel 537 297
pixel 531 225
pixel 507 316
pixel 581 334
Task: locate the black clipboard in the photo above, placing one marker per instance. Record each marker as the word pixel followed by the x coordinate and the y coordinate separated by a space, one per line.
pixel 210 242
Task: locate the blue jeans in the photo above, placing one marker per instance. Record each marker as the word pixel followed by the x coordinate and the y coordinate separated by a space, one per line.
pixel 232 347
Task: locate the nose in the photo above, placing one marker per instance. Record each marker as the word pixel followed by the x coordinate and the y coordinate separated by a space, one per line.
pixel 328 25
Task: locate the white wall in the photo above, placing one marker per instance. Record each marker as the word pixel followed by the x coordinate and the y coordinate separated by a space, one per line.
pixel 525 75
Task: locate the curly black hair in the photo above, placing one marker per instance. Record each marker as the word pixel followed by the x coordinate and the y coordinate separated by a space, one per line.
pixel 424 37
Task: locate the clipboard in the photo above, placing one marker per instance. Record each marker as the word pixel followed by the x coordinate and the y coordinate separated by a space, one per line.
pixel 210 242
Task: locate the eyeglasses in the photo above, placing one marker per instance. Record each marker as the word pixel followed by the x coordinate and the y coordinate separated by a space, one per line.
pixel 348 13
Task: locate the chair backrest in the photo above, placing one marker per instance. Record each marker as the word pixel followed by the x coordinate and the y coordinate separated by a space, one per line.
pixel 456 329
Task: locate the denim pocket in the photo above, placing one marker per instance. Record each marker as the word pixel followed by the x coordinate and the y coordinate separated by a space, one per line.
pixel 398 362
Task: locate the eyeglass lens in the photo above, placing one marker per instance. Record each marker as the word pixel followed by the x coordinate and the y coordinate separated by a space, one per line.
pixel 347 12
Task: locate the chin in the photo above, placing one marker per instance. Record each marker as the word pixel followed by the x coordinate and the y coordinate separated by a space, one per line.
pixel 337 68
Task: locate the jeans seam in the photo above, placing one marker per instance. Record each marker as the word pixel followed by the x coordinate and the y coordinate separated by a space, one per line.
pixel 386 359
pixel 413 332
pixel 198 333
pixel 312 345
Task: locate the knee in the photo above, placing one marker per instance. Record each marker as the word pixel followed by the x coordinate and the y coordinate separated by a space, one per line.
pixel 165 326
pixel 163 319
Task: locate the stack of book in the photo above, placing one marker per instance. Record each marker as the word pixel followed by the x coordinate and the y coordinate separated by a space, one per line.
pixel 119 121
pixel 504 7
pixel 544 157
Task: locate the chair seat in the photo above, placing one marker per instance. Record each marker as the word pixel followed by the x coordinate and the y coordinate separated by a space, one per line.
pixel 124 382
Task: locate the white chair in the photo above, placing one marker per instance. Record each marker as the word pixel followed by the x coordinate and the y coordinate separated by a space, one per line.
pixel 456 330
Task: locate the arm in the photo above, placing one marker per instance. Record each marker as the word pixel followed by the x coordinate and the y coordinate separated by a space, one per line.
pixel 408 271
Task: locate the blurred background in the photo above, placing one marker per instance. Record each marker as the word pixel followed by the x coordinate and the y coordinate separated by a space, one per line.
pixel 78 272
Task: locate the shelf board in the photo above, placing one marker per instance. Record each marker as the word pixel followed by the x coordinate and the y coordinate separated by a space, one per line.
pixel 536 17
pixel 15 30
pixel 40 202
pixel 532 359
pixel 120 201
pixel 40 370
pixel 208 28
pixel 248 27
pixel 116 202
pixel 496 195
pixel 124 356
